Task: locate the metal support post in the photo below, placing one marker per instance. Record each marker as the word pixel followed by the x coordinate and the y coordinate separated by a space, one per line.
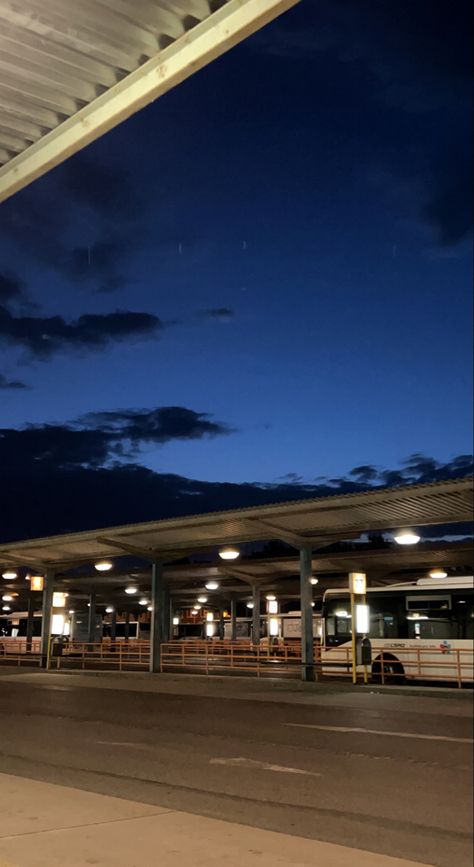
pixel 113 626
pixel 233 619
pixel 159 627
pixel 126 629
pixel 30 622
pixel 48 589
pixel 256 615
pixel 221 623
pixel 307 650
pixel 92 619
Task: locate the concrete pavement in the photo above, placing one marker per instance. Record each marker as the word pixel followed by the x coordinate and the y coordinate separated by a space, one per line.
pixel 44 824
pixel 368 770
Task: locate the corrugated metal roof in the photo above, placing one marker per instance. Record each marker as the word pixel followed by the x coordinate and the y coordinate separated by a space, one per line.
pixel 310 521
pixel 72 69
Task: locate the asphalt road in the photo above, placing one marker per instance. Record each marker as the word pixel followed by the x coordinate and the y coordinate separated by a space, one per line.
pixel 392 777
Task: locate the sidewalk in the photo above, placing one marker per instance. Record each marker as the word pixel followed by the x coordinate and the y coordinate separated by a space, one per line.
pixel 45 825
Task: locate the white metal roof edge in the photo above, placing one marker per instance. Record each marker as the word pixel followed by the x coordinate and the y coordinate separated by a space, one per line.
pixel 304 504
pixel 216 34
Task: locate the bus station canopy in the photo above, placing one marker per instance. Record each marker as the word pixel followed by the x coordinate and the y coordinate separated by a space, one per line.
pixel 70 70
pixel 312 522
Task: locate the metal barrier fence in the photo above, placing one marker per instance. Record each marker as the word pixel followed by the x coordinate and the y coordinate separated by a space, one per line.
pixel 441 663
pixel 17 651
pixel 216 657
pixel 108 655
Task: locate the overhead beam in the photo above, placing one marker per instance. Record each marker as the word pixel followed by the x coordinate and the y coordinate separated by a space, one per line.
pixel 240 573
pixel 233 22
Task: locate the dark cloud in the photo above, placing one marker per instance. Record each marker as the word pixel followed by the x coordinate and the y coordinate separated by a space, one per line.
pixel 221 314
pixel 43 336
pixel 365 473
pixel 415 66
pixel 158 425
pixel 91 200
pixel 449 207
pixel 107 190
pixel 11 288
pixel 80 475
pixel 11 384
pixel 98 438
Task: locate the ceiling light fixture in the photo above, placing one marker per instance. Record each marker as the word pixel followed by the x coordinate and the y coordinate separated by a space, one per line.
pixel 109 609
pixel 407 537
pixel 438 573
pixel 131 590
pixel 229 554
pixel 202 599
pixel 313 581
pixel 143 601
pixel 103 565
pixel 212 585
pixel 9 575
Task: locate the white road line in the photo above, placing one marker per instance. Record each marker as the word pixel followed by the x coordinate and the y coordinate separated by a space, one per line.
pixel 262 766
pixel 343 729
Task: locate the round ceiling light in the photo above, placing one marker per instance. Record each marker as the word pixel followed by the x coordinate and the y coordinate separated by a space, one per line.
pixel 229 554
pixel 7 598
pixel 109 609
pixel 6 608
pixel 143 601
pixel 194 612
pixel 313 581
pixel 202 599
pixel 149 608
pixel 270 597
pixel 131 590
pixel 438 573
pixel 103 565
pixel 250 605
pixel 212 585
pixel 9 575
pixel 71 611
pixel 407 537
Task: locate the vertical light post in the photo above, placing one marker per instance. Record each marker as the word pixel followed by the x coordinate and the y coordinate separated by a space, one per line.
pixel 357 588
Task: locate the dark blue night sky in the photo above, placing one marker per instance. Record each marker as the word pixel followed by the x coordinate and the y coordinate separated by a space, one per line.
pixel 264 277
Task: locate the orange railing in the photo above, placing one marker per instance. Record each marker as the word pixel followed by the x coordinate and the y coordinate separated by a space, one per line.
pixel 281 659
pixel 17 651
pixel 214 657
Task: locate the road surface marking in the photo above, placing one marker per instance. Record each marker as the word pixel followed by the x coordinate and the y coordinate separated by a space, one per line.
pixel 263 766
pixel 343 729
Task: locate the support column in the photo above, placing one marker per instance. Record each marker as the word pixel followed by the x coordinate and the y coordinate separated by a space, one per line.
pixel 307 658
pixel 30 621
pixel 233 619
pixel 256 615
pixel 91 621
pixel 48 589
pixel 113 626
pixel 126 629
pixel 221 623
pixel 160 614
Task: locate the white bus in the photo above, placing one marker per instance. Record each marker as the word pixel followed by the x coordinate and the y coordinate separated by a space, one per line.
pixel 422 630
